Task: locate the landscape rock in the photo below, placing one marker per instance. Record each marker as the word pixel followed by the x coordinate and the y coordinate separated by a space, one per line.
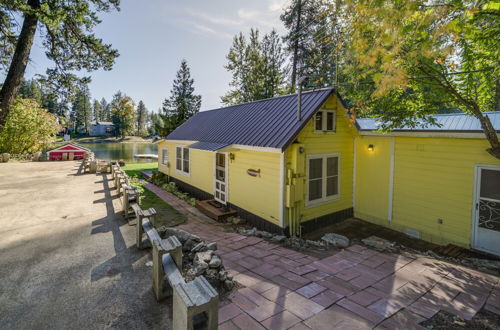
pixel 263 234
pixel 314 243
pixel 228 285
pixel 182 235
pixel 337 240
pixel 278 238
pixel 215 262
pixel 378 243
pixel 203 256
pixel 222 275
pixel 212 246
pixel 200 247
pixel 189 245
pixel 197 270
pixel 211 275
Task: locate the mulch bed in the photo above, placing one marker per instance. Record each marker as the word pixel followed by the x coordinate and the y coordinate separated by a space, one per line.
pixel 483 320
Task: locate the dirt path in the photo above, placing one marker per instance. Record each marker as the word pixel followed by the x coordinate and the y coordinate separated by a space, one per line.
pixel 67 258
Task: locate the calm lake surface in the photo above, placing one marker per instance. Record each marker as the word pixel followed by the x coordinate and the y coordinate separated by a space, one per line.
pixel 125 151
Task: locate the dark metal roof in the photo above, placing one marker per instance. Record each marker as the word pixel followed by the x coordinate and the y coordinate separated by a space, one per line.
pixel 210 146
pixel 452 122
pixel 265 123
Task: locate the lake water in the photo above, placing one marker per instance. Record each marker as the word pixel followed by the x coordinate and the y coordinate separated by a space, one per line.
pixel 125 151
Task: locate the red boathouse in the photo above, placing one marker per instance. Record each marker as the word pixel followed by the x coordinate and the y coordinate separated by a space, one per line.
pixel 69 151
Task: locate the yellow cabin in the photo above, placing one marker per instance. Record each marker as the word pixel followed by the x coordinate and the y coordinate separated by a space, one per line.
pixel 290 168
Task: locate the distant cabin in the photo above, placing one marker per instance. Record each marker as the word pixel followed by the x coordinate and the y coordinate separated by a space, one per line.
pixel 68 151
pixel 292 172
pixel 101 128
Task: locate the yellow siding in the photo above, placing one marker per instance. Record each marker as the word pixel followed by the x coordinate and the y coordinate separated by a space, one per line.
pixel 433 178
pixel 258 195
pixel 340 142
pixel 201 166
pixel 372 178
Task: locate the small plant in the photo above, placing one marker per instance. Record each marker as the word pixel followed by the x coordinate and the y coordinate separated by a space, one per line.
pixel 159 178
pixel 172 188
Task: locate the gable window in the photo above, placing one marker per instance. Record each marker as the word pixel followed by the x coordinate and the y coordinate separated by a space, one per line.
pixel 324 121
pixel 164 156
pixel 322 178
pixel 182 159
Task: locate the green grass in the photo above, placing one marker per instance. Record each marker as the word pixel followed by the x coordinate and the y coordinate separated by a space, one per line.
pixel 134 169
pixel 166 214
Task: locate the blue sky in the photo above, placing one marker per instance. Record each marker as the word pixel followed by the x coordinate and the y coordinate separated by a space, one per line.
pixel 153 36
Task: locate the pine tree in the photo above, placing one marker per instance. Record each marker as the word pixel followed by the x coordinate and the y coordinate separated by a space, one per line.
pixel 97 111
pixel 142 117
pixel 105 110
pixel 311 40
pixel 257 67
pixel 182 104
pixel 82 110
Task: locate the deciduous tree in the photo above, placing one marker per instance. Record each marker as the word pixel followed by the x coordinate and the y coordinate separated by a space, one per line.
pixel 123 112
pixel 28 129
pixel 415 57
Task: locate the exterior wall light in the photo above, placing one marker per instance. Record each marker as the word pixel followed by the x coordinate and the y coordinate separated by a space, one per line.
pixel 371 147
pixel 231 156
pixel 301 150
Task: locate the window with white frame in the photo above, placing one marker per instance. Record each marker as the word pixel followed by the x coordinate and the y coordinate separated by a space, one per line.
pixel 164 156
pixel 324 121
pixel 182 159
pixel 322 177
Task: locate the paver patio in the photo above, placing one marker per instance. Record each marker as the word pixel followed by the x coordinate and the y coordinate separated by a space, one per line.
pixel 357 288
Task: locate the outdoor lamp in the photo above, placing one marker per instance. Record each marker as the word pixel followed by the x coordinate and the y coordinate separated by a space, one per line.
pixel 370 147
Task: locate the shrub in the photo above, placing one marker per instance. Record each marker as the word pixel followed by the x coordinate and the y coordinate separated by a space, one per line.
pixel 28 128
pixel 159 178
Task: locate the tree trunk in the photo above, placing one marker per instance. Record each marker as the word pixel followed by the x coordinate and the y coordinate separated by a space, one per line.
pixel 296 45
pixel 491 135
pixel 19 61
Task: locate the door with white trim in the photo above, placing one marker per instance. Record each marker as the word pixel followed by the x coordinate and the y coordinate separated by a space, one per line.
pixel 487 209
pixel 220 194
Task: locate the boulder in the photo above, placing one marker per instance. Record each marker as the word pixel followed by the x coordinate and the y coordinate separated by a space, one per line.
pixel 222 275
pixel 5 157
pixel 200 247
pixel 378 243
pixel 197 270
pixel 189 245
pixel 182 235
pixel 212 246
pixel 203 257
pixel 337 240
pixel 215 262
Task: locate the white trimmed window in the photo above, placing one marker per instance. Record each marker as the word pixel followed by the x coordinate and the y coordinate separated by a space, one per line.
pixel 182 159
pixel 322 178
pixel 164 157
pixel 324 121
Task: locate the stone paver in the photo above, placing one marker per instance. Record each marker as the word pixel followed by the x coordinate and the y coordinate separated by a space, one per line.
pixel 357 288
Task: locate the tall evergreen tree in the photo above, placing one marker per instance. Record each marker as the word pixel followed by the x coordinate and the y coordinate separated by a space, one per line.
pixel 82 110
pixel 313 40
pixel 97 111
pixel 105 110
pixel 141 117
pixel 182 103
pixel 257 67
